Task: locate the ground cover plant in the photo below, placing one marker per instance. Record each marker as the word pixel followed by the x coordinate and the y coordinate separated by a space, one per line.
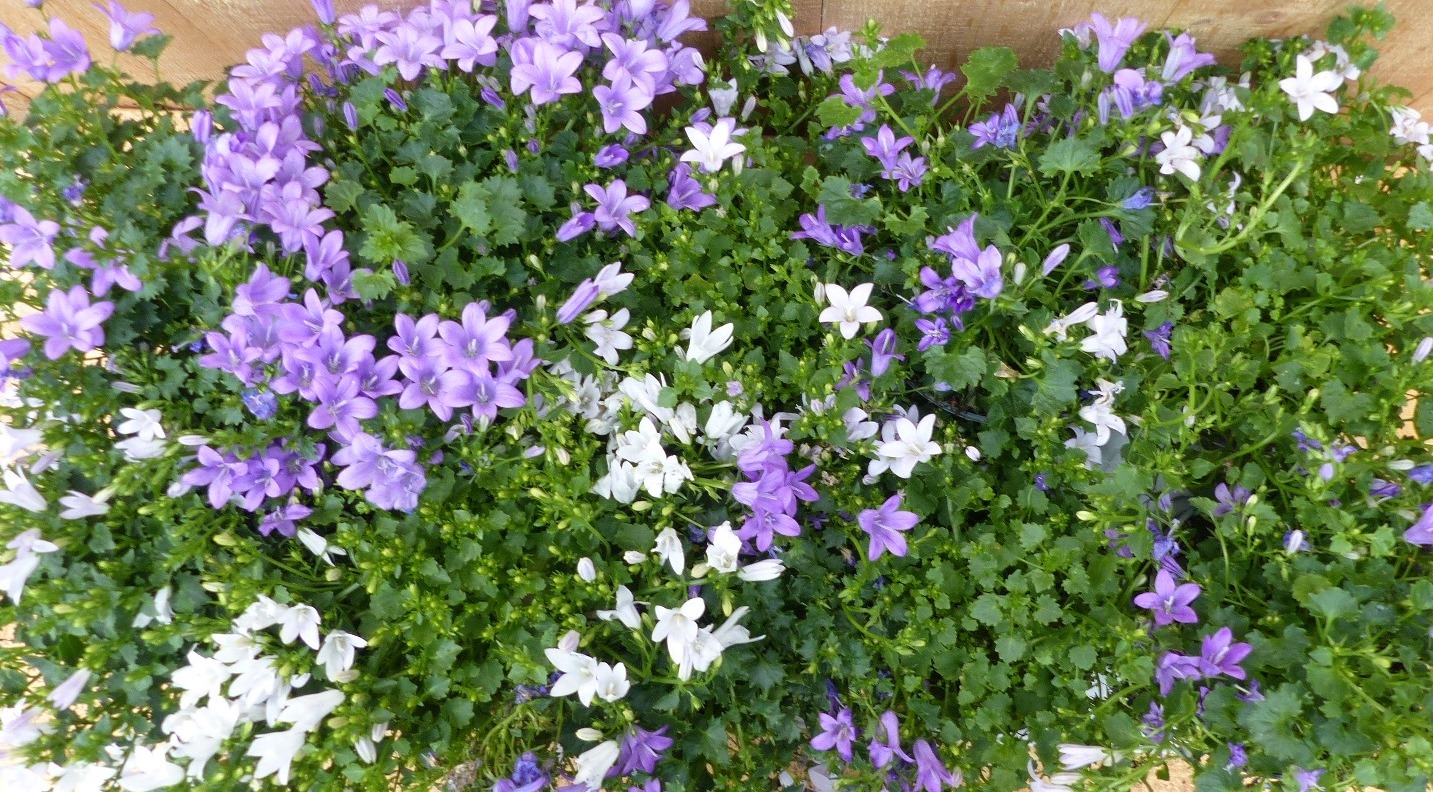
pixel 516 388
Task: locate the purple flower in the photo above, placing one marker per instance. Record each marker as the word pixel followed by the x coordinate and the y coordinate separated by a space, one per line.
pixel 885 525
pixel 1170 601
pixel 1423 474
pixel 217 471
pixel 436 386
pixel 1229 501
pixel 612 155
pixel 1307 779
pixel 615 206
pixel 686 192
pixel 263 404
pixel 581 223
pixel 1115 40
pixel 1105 277
pixel 527 776
pixel 883 752
pixel 883 352
pixel 1116 239
pixel 487 394
pixel 469 42
pixel 350 116
pixel 1172 667
pixel 838 732
pixel 1159 340
pixel 906 172
pixel 477 341
pixel 124 26
pixel 1142 199
pixel 1421 533
pixel 566 24
pixel 67 50
pixel 1154 722
pixel 884 146
pixel 1001 130
pixel 933 79
pixel 282 520
pixel 1220 655
pixel 931 775
pixel 582 298
pixel 69 322
pixel 1238 757
pixel 29 239
pixel 981 275
pixel 1183 58
pixel 545 70
pixel 1383 490
pixel 340 405
pixel 412 49
pixel 934 332
pixel 640 750
pixel 844 238
pixel 621 104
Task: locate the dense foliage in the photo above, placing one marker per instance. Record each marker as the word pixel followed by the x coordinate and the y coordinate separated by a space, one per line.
pixel 515 388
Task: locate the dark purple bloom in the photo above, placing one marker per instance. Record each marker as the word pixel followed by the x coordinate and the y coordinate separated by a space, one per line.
pixel 1229 501
pixel 931 774
pixel 396 99
pixel 527 776
pixel 1307 779
pixel 1115 40
pixel 69 322
pixel 1116 238
pixel 686 192
pixel 350 116
pixel 1220 655
pixel 29 239
pixel 1384 489
pixel 1423 474
pixel 885 527
pixel 1305 443
pixel 1159 340
pixel 1421 533
pixel 1142 199
pixel 640 750
pixel 283 519
pixel 615 206
pixel 883 752
pixel 1105 277
pixel 1154 722
pixel 612 155
pixel 934 332
pixel 1001 130
pixel 884 146
pixel 547 71
pixel 1169 600
pixel 581 223
pixel 838 732
pixel 582 298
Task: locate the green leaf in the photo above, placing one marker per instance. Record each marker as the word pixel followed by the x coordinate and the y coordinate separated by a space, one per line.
pixel 1055 390
pixel 1420 217
pixel 1069 155
pixel 834 112
pixel 1033 82
pixel 150 46
pixel 1333 603
pixel 471 209
pixel 505 205
pixel 900 50
pixel 986 610
pixel 842 208
pixel 986 69
pixel 373 285
pixel 959 371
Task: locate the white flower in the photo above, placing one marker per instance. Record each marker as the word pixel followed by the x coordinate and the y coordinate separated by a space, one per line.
pixel 762 571
pixel 1407 128
pixel 724 549
pixel 1059 782
pixel 1087 442
pixel 634 556
pixel 849 310
pixel 723 422
pixel 857 427
pixel 1178 155
pixel 1425 346
pixel 611 279
pixel 1109 330
pixel 148 769
pixel 586 570
pixel 678 626
pixel 198 734
pixel 732 633
pixel 704 343
pixel 139 448
pixel 607 333
pixel 14 441
pixel 1152 296
pixel 611 682
pixel 143 424
pixel 683 423
pixel 66 692
pixel 306 712
pixel 911 446
pixel 160 611
pixel 19 727
pixel 20 492
pixel 710 149
pixel 79 505
pixel 699 654
pixel 1075 757
pixel 83 777
pixel 203 676
pixel 593 764
pixel 28 547
pixel 664 474
pixel 1059 327
pixel 336 654
pixel 620 483
pixel 669 548
pixel 319 546
pixel 275 752
pixel 645 394
pixel 579 674
pixel 625 612
pixel 299 621
pixel 1311 91
pixel 723 95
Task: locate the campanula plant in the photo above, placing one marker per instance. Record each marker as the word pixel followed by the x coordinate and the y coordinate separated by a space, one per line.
pixel 518 396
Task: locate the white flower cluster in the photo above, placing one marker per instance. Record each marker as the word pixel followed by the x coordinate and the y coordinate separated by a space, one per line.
pixel 1409 128
pixel 1106 340
pixel 238 686
pixel 905 441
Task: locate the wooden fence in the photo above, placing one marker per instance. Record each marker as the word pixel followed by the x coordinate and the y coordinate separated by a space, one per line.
pixel 213 34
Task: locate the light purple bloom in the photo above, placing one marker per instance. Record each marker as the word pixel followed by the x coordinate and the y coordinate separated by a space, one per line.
pixel 340 406
pixel 931 774
pixel 29 239
pixel 906 172
pixel 934 332
pixel 981 275
pixel 527 776
pixel 126 26
pixel 615 206
pixel 1423 474
pixel 67 50
pixel 883 752
pixel 885 526
pixel 838 732
pixel 262 404
pixel 1421 533
pixel 69 322
pixel 1105 277
pixel 470 44
pixel 1220 655
pixel 1154 722
pixel 686 192
pixel 1142 199
pixel 883 352
pixel 621 104
pixel 1115 40
pixel 545 70
pixel 436 386
pixel 283 520
pixel 579 224
pixel 844 238
pixel 1001 130
pixel 612 155
pixel 1170 601
pixel 1307 779
pixel 566 24
pixel 884 146
pixel 1383 490
pixel 1229 501
pixel 634 60
pixel 1183 58
pixel 582 298
pixel 1173 667
pixel 412 49
pixel 477 341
